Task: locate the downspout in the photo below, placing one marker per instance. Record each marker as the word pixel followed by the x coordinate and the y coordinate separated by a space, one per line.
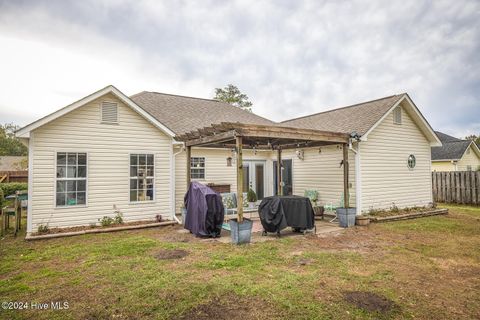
pixel 172 179
pixel 358 177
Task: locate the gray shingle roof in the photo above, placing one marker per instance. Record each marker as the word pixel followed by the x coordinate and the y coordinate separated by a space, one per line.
pixel 446 138
pixel 359 117
pixel 183 114
pixel 451 149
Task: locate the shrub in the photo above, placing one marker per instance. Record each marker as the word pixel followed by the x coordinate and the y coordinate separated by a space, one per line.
pixel 11 187
pixel 1 198
pixel 394 208
pixel 106 221
pixel 43 228
pixel 251 195
pixel 118 218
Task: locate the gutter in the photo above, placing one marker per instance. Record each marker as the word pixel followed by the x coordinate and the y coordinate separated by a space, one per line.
pixel 358 176
pixel 172 178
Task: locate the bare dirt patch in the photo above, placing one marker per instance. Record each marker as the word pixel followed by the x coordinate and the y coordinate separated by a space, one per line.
pixel 370 301
pixel 231 307
pixel 170 254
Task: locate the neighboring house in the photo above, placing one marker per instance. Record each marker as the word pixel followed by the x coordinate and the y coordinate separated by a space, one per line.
pixel 13 163
pixel 110 152
pixel 455 154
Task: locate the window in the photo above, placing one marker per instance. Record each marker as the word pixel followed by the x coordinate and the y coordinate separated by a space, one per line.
pixel 397 115
pixel 411 162
pixel 197 167
pixel 469 168
pixel 109 112
pixel 71 179
pixel 142 172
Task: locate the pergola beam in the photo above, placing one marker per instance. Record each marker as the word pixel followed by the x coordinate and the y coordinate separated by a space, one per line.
pixel 211 139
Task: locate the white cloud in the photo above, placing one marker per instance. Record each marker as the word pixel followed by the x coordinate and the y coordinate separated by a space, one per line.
pixel 292 58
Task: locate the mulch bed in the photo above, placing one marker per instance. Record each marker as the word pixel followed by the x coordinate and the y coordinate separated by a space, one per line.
pixel 83 228
pixel 370 301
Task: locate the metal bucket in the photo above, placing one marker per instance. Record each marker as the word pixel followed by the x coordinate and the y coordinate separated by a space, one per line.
pixel 346 217
pixel 240 232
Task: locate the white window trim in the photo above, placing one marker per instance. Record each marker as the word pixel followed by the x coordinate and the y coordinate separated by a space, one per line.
pixel 154 178
pixel 101 113
pixel 55 181
pixel 204 169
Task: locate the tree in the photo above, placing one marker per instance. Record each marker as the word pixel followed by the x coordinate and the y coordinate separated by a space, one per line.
pixel 9 144
pixel 232 95
pixel 475 138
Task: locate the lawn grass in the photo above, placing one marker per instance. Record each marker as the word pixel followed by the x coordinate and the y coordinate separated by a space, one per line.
pixel 427 268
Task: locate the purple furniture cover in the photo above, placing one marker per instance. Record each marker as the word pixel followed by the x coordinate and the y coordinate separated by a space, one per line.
pixel 205 211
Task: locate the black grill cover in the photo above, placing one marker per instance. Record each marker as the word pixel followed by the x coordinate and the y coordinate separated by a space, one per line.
pixel 278 212
pixel 205 211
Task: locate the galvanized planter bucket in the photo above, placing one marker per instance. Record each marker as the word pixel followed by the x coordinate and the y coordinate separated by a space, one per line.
pixel 241 232
pixel 346 217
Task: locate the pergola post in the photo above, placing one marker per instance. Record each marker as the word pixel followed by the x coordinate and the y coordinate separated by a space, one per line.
pixel 189 173
pixel 279 172
pixel 239 144
pixel 346 197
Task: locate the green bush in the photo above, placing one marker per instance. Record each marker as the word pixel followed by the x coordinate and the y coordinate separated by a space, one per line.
pixel 251 195
pixel 11 187
pixel 1 198
pixel 106 221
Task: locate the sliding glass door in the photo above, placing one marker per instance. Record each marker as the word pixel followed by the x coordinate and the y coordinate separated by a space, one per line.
pixel 286 177
pixel 254 177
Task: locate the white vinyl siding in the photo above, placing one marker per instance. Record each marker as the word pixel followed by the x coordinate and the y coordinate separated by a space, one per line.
pixel 321 171
pixel 386 178
pixel 108 149
pixel 469 159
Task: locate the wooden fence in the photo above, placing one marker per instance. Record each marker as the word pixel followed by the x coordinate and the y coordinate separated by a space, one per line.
pixel 461 187
pixel 14 176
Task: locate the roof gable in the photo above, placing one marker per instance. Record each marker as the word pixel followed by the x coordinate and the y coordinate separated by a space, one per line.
pixel 453 150
pixel 358 117
pixel 25 131
pixel 364 117
pixel 184 114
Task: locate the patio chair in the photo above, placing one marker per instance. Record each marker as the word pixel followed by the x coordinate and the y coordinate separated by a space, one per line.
pixel 332 207
pixel 313 196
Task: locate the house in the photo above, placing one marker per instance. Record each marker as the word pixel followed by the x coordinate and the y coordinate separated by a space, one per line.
pixel 109 152
pixel 455 154
pixel 13 163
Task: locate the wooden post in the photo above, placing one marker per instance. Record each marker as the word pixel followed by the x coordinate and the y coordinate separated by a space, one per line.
pixel 279 172
pixel 346 199
pixel 239 144
pixel 189 173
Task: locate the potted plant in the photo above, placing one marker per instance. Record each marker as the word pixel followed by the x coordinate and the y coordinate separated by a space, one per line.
pixel 362 220
pixel 240 229
pixel 251 198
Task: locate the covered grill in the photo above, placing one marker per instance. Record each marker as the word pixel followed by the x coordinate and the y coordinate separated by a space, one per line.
pixel 278 212
pixel 205 211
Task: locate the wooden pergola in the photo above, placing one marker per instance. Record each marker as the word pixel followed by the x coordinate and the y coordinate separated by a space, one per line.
pixel 238 136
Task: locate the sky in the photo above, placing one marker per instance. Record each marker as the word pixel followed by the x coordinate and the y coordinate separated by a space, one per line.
pixel 292 58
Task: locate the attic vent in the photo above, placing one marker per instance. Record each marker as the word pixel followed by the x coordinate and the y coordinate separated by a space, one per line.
pixel 109 112
pixel 397 115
